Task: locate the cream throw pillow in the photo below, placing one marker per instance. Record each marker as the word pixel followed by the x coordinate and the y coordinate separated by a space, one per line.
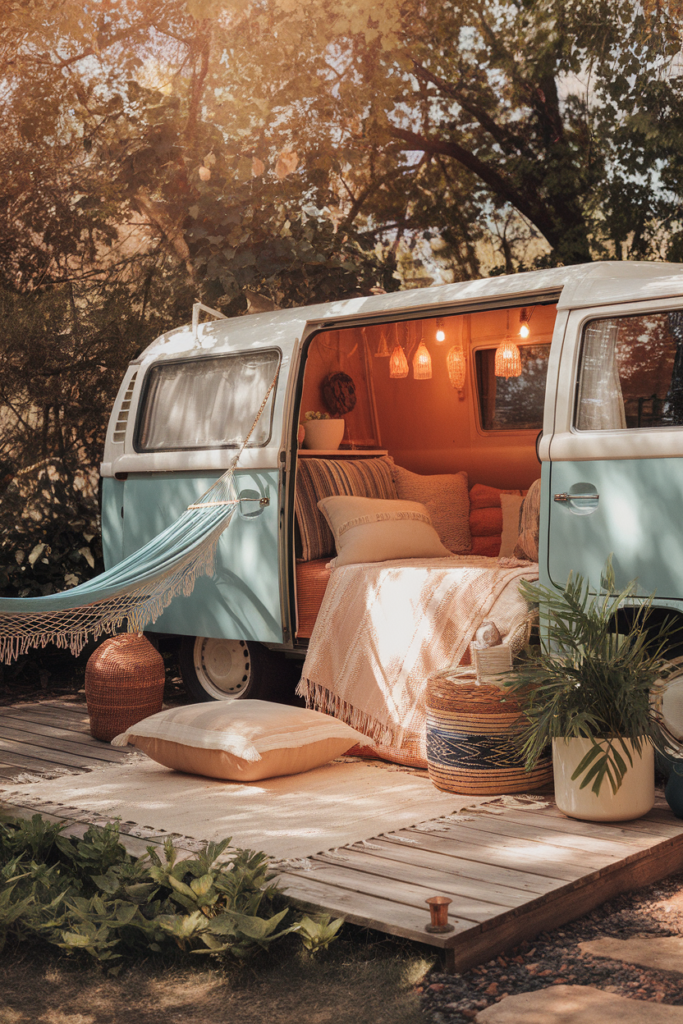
pixel 511 504
pixel 240 740
pixel 446 498
pixel 375 530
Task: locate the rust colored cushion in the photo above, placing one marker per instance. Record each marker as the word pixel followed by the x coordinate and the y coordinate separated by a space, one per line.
pixel 486 522
pixel 488 546
pixel 311 583
pixel 240 740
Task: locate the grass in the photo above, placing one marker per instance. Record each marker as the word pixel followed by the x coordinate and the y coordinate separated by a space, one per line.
pixel 361 979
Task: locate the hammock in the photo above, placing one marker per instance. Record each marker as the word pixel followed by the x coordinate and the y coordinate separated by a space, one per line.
pixel 135 590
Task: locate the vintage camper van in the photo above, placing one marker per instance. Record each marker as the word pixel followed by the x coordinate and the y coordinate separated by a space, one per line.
pixel 578 369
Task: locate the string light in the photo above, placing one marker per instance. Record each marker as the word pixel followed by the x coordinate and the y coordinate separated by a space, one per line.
pixel 508 362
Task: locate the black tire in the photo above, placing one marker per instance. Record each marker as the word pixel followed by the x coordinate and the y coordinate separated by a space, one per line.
pixel 233 670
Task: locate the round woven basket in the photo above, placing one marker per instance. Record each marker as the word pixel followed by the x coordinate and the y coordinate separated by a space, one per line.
pixel 124 683
pixel 470 745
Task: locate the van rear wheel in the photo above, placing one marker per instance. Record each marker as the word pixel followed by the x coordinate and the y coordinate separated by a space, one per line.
pixel 216 669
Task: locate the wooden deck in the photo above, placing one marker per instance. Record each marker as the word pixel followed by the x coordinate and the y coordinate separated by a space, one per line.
pixel 510 875
pixel 50 737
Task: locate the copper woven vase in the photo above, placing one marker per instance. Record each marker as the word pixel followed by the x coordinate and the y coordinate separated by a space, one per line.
pixel 124 683
pixel 470 740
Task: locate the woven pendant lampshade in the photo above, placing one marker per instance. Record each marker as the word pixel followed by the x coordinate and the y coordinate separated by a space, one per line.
pixel 124 683
pixel 457 367
pixel 508 360
pixel 382 348
pixel 422 363
pixel 398 364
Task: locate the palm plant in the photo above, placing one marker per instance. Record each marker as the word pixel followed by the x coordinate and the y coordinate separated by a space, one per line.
pixel 588 681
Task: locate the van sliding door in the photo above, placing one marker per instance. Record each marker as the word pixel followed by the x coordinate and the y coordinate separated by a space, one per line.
pixel 616 473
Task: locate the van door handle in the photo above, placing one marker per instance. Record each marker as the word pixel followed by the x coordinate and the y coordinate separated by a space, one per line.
pixel 571 497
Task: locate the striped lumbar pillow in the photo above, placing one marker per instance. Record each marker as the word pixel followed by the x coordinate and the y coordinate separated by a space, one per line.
pixel 325 478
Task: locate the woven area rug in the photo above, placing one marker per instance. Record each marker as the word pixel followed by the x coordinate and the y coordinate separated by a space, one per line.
pixel 295 816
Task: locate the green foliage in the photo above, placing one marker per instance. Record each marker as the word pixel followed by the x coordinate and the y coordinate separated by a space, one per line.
pixel 587 680
pixel 89 896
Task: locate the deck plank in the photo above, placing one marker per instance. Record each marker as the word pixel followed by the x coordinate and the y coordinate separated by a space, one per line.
pixel 76 723
pixel 537 858
pixel 457 886
pixel 49 736
pixel 448 862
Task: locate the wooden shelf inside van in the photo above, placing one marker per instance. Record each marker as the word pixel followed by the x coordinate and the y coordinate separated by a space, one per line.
pixel 341 453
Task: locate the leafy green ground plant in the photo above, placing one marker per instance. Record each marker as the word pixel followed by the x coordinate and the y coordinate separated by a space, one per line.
pixel 90 896
pixel 587 680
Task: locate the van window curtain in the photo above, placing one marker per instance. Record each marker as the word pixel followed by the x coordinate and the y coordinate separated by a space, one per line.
pixel 601 402
pixel 207 403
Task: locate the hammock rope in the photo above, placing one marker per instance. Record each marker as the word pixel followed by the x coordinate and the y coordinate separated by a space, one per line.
pixel 137 589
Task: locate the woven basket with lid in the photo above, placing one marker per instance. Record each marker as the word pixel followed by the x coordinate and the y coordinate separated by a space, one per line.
pixel 124 683
pixel 470 748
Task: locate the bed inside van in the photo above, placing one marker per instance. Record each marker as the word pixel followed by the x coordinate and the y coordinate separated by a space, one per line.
pixel 439 397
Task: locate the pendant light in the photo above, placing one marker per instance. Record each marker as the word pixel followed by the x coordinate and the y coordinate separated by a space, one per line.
pixel 508 358
pixel 440 335
pixel 398 364
pixel 422 362
pixel 457 367
pixel 382 348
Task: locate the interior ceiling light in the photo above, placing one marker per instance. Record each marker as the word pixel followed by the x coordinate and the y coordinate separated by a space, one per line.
pixel 457 367
pixel 398 364
pixel 382 348
pixel 508 358
pixel 422 363
pixel 524 329
pixel 440 332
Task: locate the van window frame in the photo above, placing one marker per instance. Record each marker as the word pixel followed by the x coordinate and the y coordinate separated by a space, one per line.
pixel 657 306
pixel 479 412
pixel 196 359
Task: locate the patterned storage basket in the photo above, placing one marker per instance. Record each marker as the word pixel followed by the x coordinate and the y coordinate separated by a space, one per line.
pixel 469 747
pixel 124 683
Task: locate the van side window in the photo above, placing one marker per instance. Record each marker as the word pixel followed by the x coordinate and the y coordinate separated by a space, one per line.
pixel 515 403
pixel 631 373
pixel 207 402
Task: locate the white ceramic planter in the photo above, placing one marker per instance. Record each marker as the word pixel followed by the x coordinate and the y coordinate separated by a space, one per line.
pixel 635 796
pixel 325 435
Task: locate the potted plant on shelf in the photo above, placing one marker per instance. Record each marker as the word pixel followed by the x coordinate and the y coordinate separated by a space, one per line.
pixel 588 691
pixel 321 432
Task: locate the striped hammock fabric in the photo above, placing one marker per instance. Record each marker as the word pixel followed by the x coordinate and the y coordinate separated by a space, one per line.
pixel 134 591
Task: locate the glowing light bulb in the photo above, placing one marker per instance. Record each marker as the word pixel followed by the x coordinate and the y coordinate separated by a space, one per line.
pixel 440 333
pixel 524 329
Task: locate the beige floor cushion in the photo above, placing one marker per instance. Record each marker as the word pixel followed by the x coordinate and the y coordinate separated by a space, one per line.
pixel 240 740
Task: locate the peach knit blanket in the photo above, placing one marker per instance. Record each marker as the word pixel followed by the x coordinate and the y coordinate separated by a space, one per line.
pixel 384 628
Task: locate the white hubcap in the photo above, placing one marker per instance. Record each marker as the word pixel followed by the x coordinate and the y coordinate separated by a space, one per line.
pixel 223 667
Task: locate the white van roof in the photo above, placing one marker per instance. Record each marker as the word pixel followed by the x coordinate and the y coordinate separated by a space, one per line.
pixel 588 284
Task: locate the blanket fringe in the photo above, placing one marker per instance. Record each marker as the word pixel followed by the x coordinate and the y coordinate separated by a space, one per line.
pixel 319 698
